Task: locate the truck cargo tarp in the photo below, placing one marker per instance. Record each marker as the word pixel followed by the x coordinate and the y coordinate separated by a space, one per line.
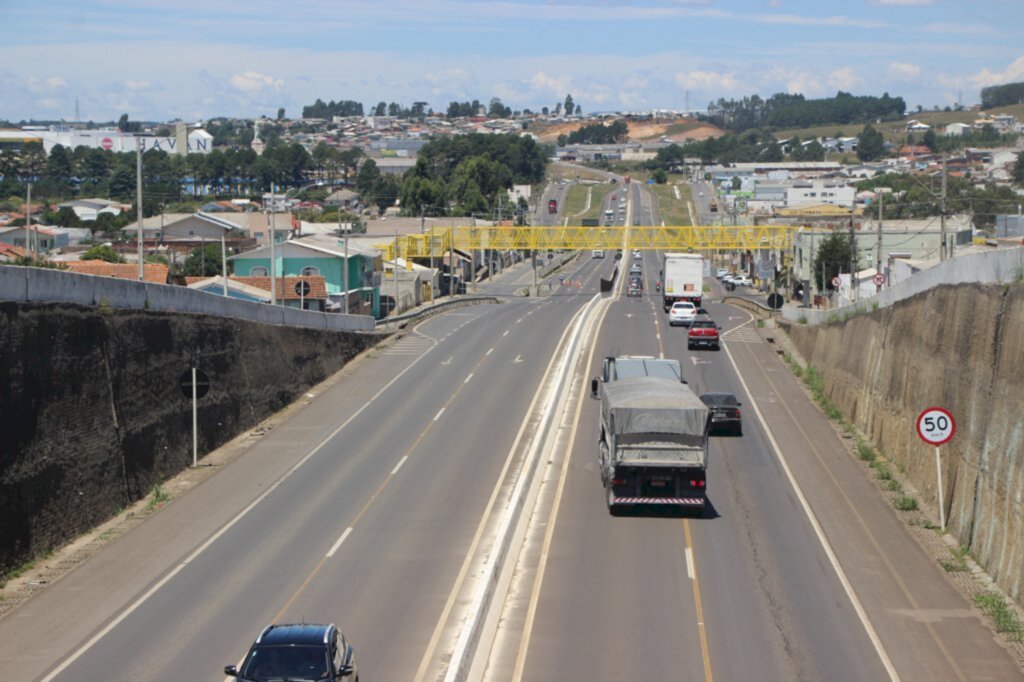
pixel 648 405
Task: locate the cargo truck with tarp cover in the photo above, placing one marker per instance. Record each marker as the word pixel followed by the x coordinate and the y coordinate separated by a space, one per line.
pixel 653 447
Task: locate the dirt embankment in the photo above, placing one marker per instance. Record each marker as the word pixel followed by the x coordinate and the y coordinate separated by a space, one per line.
pixel 957 347
pixel 677 130
pixel 92 415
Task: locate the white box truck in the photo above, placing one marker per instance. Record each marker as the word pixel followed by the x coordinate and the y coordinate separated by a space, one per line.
pixel 683 278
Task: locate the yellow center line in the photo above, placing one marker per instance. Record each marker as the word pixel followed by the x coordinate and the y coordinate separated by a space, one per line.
pixel 700 610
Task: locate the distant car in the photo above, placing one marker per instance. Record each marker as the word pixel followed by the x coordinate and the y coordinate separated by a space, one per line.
pixel 727 277
pixel 637 255
pixel 618 255
pixel 681 312
pixel 742 281
pixel 725 413
pixel 700 194
pixel 722 272
pixel 297 652
pixel 597 253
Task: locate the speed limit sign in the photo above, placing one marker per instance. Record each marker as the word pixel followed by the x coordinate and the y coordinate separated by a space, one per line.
pixel 936 426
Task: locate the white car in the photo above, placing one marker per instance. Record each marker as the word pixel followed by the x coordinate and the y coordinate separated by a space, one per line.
pixel 722 272
pixel 728 277
pixel 637 255
pixel 682 312
pixel 742 281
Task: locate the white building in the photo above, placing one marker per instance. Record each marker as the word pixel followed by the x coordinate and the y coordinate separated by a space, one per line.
pixel 957 129
pixel 819 192
pixel 197 141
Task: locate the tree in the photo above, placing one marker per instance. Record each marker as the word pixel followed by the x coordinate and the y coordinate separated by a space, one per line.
pixel 545 111
pixel 870 144
pixel 103 252
pixel 497 109
pixel 832 257
pixel 569 106
pixel 367 177
pixel 203 261
pixel 394 109
pixel 660 176
pixel 280 114
pixel 1018 169
pixel 381 109
pixel 579 110
pixel 930 140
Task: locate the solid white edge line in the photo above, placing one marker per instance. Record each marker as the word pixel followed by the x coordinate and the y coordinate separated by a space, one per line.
pixel 399 465
pixel 468 377
pixel 876 641
pixel 506 333
pixel 689 563
pixel 490 351
pixel 438 415
pixel 337 544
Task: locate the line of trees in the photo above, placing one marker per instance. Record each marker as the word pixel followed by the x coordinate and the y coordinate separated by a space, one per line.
pixel 453 175
pixel 1002 95
pixel 597 133
pixel 345 107
pixel 784 110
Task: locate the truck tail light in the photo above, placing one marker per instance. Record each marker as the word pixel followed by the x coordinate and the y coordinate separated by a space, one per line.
pixel 618 481
pixel 697 483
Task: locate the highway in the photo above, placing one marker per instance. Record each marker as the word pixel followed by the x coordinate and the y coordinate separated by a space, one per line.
pixel 376 506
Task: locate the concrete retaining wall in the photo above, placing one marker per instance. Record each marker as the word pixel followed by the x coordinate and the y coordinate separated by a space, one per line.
pixel 92 416
pixel 41 285
pixel 1004 265
pixel 958 347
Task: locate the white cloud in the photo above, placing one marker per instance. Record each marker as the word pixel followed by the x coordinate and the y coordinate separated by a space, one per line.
pixel 137 85
pixel 56 82
pixel 904 71
pixel 558 86
pixel 252 81
pixel 1013 72
pixel 707 81
pixel 844 79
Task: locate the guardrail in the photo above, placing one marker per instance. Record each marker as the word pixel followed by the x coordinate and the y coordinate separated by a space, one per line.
pixel 401 320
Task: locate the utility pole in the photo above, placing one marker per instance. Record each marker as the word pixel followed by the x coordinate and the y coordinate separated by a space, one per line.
pixel 394 270
pixel 853 253
pixel 431 262
pixel 28 223
pixel 138 196
pixel 224 265
pixel 273 238
pixel 878 246
pixel 945 250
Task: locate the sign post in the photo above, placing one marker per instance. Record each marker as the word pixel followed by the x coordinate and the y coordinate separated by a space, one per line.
pixel 936 426
pixel 302 289
pixel 195 384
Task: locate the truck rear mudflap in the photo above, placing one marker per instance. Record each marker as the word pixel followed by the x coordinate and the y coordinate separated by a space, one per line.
pixel 679 501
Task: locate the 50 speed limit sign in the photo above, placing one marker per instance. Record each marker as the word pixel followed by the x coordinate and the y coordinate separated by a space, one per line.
pixel 936 426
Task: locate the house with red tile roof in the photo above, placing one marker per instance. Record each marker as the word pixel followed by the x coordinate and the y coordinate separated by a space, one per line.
pixel 153 273
pixel 286 289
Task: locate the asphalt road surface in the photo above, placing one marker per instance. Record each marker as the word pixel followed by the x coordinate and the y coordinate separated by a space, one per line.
pixel 363 508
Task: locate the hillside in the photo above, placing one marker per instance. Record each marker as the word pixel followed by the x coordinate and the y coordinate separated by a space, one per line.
pixel 677 130
pixel 896 130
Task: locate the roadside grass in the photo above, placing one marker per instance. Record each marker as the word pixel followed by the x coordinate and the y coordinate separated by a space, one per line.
pixel 21 569
pixel 673 211
pixel 760 324
pixel 576 200
pixel 1004 618
pixel 906 503
pixel 957 563
pixel 157 497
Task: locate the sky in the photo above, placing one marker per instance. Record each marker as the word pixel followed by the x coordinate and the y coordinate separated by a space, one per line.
pixel 160 60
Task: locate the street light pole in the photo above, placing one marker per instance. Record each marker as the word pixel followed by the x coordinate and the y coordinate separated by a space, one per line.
pixel 273 260
pixel 138 196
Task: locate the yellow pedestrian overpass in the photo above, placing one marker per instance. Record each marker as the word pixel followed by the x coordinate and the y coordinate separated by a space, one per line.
pixel 440 240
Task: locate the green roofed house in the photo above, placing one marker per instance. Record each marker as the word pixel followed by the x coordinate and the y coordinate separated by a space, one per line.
pixel 321 255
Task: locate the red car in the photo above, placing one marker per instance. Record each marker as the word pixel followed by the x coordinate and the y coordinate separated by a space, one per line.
pixel 703 334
